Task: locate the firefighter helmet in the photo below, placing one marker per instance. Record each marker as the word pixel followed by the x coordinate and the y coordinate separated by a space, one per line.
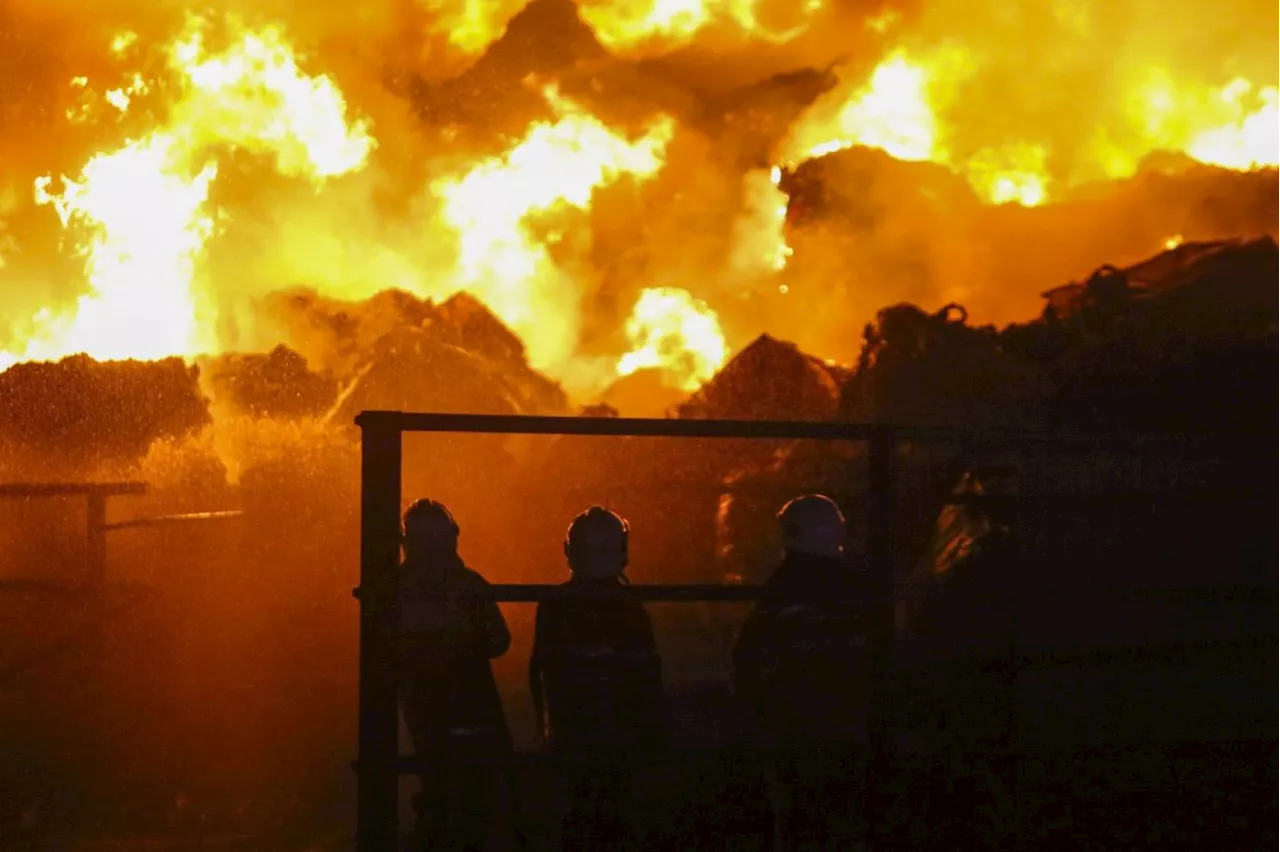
pixel 596 544
pixel 813 524
pixel 428 526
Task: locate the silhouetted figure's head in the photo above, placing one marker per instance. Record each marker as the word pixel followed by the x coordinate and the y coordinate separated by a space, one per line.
pixel 428 531
pixel 813 525
pixel 596 544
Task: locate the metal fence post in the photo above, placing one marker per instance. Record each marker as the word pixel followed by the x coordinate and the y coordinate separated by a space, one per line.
pixel 881 448
pixel 94 582
pixel 96 540
pixel 377 817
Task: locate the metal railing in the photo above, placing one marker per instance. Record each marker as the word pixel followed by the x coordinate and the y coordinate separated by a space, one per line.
pixel 93 582
pixel 378 764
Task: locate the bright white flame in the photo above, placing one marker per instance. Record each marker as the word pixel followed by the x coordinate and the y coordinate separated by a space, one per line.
pixel 672 331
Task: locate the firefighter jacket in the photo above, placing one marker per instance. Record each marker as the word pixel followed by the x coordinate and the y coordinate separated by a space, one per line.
pixel 800 659
pixel 595 673
pixel 451 628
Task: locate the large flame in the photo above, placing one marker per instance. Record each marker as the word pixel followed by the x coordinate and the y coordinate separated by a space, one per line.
pixel 555 166
pixel 1247 138
pixel 892 111
pixel 624 26
pixel 759 244
pixel 140 215
pixel 674 333
pixel 226 103
pixel 910 102
pixel 145 212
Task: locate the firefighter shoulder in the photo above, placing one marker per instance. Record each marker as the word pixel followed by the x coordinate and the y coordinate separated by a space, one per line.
pixel 446 609
pixel 800 657
pixel 595 673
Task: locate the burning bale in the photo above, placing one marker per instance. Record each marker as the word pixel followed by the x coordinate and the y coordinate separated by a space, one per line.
pixel 473 327
pixel 398 351
pixel 65 417
pixel 852 191
pixel 278 384
pixel 769 379
pixel 413 370
pixel 336 334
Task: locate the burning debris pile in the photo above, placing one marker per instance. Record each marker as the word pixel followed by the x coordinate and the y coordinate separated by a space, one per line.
pixel 624 187
pixel 77 413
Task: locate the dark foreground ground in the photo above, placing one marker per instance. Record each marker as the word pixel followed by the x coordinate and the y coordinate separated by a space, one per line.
pixel 1209 796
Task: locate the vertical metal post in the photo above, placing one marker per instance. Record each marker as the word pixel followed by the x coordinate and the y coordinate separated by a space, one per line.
pixel 881 448
pixel 96 541
pixel 377 817
pixel 95 584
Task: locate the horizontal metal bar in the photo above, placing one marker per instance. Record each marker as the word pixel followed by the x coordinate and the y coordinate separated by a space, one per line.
pixel 159 520
pixel 665 756
pixel 689 593
pixel 1109 499
pixel 729 593
pixel 70 489
pixel 524 759
pixel 65 589
pixel 926 654
pixel 505 424
pixel 685 592
pixel 613 426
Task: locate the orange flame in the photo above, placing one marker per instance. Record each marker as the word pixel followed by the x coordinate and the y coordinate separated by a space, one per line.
pixel 675 333
pixel 141 213
pixel 629 25
pixel 907 107
pixel 554 167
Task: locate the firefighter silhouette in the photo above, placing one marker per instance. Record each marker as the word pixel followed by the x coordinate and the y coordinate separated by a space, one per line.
pixel 800 663
pixel 596 679
pixel 451 628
